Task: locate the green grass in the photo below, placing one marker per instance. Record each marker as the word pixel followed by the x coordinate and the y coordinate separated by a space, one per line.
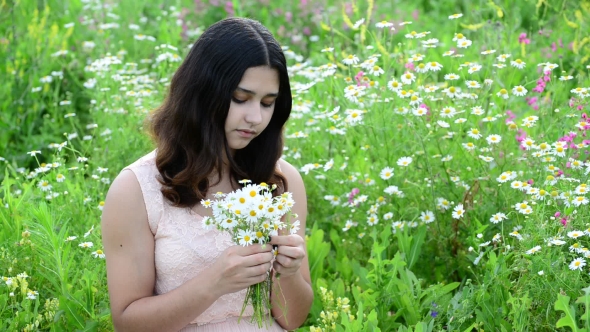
pixel 401 273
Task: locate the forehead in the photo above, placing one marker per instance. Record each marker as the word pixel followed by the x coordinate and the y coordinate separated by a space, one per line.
pixel 261 80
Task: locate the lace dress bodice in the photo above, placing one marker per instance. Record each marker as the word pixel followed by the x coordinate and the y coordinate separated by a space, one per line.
pixel 184 248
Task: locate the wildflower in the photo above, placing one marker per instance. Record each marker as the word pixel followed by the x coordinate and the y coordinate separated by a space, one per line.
pixel 98 254
pixel 494 139
pixel 519 90
pixel 44 185
pixel 533 250
pixel 31 294
pixel 376 70
pixel 442 203
pixel 394 85
pixel 408 78
pixel 503 93
pixel 404 161
pixel 386 173
pixel 464 43
pixel 100 205
pixel 498 217
pixel 86 245
pixel 474 133
pixel 427 217
pixel 523 208
pixel 518 63
pixel 458 211
pixel 455 16
pixel 577 264
pixel 383 24
pixel 575 234
pixel 434 66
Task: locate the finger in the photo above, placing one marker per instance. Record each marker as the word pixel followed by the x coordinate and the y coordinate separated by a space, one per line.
pixel 257 259
pixel 286 240
pixel 251 249
pixel 285 261
pixel 292 252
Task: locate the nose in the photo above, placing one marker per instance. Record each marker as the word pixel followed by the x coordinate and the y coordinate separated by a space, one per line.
pixel 254 114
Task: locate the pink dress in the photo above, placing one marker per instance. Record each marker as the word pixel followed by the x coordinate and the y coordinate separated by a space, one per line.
pixel 183 248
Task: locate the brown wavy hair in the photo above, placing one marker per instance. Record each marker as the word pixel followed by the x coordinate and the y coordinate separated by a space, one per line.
pixel 188 127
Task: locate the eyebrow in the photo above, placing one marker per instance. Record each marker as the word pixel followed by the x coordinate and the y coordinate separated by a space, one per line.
pixel 254 93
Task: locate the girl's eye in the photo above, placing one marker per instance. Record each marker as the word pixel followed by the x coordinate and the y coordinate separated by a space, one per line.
pixel 267 105
pixel 237 101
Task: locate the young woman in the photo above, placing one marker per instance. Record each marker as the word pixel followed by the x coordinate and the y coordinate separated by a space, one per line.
pixel 221 122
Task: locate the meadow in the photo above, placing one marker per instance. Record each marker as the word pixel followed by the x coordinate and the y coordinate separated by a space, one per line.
pixel 443 145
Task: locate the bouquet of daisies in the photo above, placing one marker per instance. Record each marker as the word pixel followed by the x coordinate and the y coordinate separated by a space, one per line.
pixel 252 215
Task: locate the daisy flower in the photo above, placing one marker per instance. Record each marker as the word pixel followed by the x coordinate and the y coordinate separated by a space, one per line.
pixel 498 217
pixel 386 173
pixel 404 161
pixel 427 217
pixel 503 93
pixel 518 63
pixel 376 70
pixel 577 264
pixel 523 208
pixel 245 237
pixel 434 66
pixel 394 85
pixel 533 250
pixel 494 139
pixel 464 43
pixel 86 245
pixel 451 77
pixel 350 60
pixel 458 211
pixel 98 254
pixel 408 78
pixel 474 133
pixel 519 90
pixel 455 16
pixel 44 185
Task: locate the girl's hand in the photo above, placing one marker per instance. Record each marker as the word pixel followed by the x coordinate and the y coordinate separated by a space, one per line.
pixel 239 267
pixel 289 255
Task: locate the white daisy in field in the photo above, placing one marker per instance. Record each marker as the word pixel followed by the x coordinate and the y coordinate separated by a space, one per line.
pixel 86 245
pixel 580 200
pixel 533 250
pixel 494 139
pixel 372 220
pixel 420 111
pixel 487 159
pixel 502 57
pixel 31 294
pixel 44 185
pixel 474 133
pixel 503 93
pixel 384 24
pixel 577 264
pixel 442 203
pixel 472 84
pixel 98 254
pixel 448 112
pixel 498 217
pixel 394 85
pixel 455 16
pixel 376 70
pixel 404 161
pixel 245 237
pixel 474 68
pixel 575 234
pixel 434 66
pixel 350 60
pixel 60 178
pixel 523 208
pixel 519 90
pixel 452 92
pixel 408 78
pixel 458 211
pixel 464 43
pixel 386 173
pixel 427 217
pixel 469 146
pixel 518 63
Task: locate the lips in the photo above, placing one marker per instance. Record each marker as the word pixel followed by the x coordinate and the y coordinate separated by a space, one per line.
pixel 246 133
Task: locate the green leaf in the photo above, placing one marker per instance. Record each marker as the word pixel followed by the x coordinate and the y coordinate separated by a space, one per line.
pixel 569 320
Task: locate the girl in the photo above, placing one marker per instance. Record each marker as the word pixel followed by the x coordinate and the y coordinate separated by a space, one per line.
pixel 221 122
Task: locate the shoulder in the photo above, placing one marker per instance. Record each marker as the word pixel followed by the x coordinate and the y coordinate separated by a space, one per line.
pixel 125 190
pixel 290 172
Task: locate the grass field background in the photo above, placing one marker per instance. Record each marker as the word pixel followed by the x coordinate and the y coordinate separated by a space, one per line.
pixel 443 145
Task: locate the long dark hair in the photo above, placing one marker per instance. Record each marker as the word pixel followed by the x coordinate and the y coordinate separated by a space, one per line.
pixel 188 127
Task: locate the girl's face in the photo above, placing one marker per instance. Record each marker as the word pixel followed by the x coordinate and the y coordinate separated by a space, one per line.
pixel 252 106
